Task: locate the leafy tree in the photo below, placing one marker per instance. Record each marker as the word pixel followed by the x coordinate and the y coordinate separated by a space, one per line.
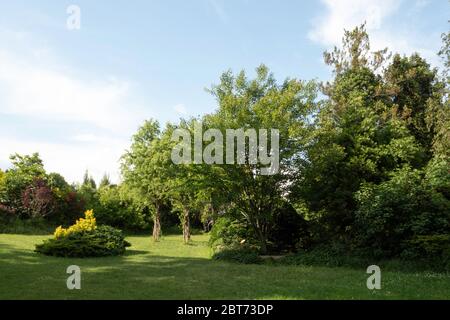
pixel 25 169
pixel 105 182
pixel 190 185
pixel 2 183
pixel 440 115
pixel 261 103
pixel 145 169
pixel 3 208
pixel 358 138
pixel 88 181
pixel 57 181
pixel 116 210
pixel 29 166
pixel 401 209
pixel 38 199
pixel 444 53
pixel 88 191
pixel 71 206
pixel 413 88
pixel 355 52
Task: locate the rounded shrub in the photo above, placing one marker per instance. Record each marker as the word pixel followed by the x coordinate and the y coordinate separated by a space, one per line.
pixel 85 239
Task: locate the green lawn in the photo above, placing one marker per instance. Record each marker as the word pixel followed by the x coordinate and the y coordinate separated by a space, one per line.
pixel 170 270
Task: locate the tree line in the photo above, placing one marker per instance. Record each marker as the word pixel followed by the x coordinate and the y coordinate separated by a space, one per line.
pixel 363 158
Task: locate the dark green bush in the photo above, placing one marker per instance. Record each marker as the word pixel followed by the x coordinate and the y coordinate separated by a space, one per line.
pixel 239 255
pixel 103 241
pixel 113 208
pixel 329 257
pixel 396 211
pixel 289 230
pixel 286 231
pixel 332 255
pixel 229 232
pixel 15 225
pixel 429 247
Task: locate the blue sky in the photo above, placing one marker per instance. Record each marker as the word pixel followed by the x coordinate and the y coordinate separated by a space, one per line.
pixel 77 96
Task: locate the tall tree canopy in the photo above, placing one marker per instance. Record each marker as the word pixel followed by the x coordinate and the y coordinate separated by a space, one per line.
pixel 146 168
pixel 258 104
pixel 374 122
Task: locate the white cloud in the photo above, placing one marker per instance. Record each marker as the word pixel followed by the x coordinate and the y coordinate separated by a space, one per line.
pixel 71 160
pixel 46 93
pixel 35 85
pixel 329 28
pixel 85 137
pixel 346 14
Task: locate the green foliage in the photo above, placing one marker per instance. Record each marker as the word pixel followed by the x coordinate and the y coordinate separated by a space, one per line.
pixel 367 167
pixel 103 241
pixel 412 86
pixel 88 181
pixel 116 208
pixel 3 209
pixel 290 230
pixel 13 225
pixel 432 247
pixel 239 255
pixel 58 183
pixel 398 210
pixel 355 52
pixel 146 169
pixel 437 175
pixel 25 170
pixel 367 180
pixel 228 231
pixel 261 103
pixel 333 255
pixel 28 192
pixel 105 182
pixel 288 233
pixel 354 142
pixel 188 184
pixel 88 191
pixel 2 179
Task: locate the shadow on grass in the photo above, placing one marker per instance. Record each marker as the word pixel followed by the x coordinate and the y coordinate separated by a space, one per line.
pixel 131 252
pixel 140 274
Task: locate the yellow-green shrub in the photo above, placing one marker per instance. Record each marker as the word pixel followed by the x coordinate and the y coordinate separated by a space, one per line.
pixel 81 225
pixel 85 239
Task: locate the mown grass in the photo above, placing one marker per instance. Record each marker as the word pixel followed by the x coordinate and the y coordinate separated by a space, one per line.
pixel 171 270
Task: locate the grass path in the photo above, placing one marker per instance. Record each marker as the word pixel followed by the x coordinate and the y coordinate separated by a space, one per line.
pixel 170 270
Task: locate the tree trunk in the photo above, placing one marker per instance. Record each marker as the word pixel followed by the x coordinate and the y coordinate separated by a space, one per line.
pixel 156 224
pixel 262 241
pixel 186 226
pixel 262 236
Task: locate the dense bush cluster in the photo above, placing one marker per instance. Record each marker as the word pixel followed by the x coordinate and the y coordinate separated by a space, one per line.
pixel 29 194
pixel 397 212
pixel 373 178
pixel 85 239
pixel 289 232
pixel 243 255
